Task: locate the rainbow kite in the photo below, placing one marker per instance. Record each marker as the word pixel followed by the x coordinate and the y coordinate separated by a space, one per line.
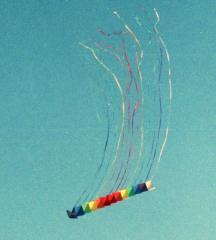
pixel 109 199
pixel 137 121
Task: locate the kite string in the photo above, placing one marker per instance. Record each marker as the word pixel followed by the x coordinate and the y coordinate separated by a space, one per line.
pixel 170 91
pixel 142 164
pixel 121 93
pixel 123 134
pixel 136 40
pixel 98 170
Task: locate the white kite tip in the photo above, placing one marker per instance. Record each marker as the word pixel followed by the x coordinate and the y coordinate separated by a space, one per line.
pixel 149 185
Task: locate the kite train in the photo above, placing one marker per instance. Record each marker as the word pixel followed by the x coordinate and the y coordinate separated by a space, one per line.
pixel 109 199
pixel 135 91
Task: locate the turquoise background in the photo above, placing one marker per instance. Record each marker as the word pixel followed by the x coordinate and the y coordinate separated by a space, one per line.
pixel 50 140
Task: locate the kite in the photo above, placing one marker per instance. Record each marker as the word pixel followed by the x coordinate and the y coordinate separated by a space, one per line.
pixel 136 64
pixel 109 199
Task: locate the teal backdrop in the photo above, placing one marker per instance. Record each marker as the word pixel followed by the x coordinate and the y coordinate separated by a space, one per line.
pixel 50 139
